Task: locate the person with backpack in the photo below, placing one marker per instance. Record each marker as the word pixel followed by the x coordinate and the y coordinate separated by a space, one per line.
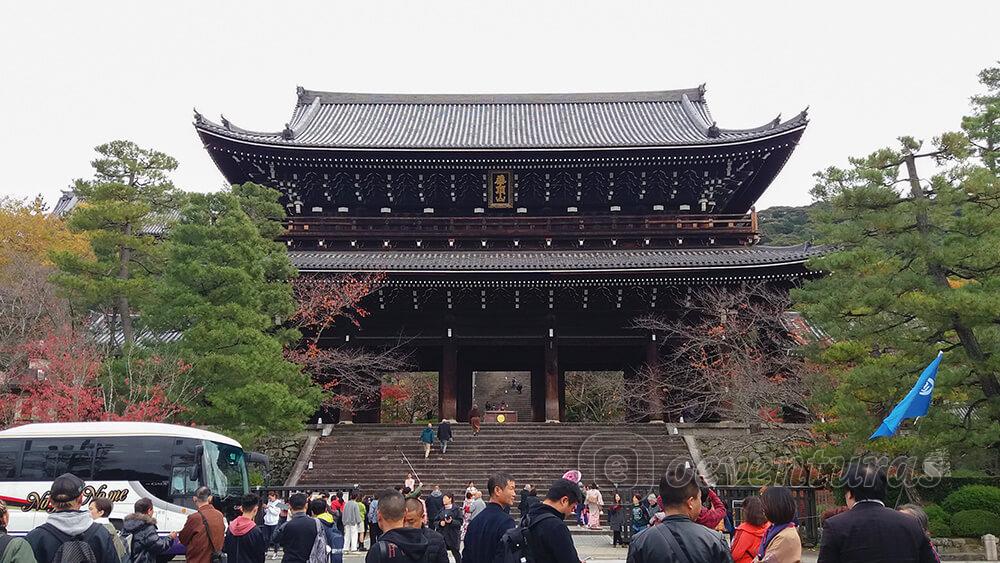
pixel 12 550
pixel 543 536
pixel 145 543
pixel 677 538
pixel 297 536
pixel 414 517
pixel 70 535
pixel 204 530
pixel 100 509
pixel 398 544
pixel 245 541
pixel 331 534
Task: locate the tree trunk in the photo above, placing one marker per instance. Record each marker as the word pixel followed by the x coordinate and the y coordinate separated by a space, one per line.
pixel 970 342
pixel 124 254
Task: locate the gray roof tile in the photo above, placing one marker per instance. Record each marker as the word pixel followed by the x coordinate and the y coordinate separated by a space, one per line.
pixel 551 260
pixel 399 121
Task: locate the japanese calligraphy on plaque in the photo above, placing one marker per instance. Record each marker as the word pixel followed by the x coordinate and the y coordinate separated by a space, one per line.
pixel 501 190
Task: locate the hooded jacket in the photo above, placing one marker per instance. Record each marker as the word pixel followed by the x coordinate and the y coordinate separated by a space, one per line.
pixel 71 523
pixel 334 538
pixel 434 503
pixel 746 542
pixel 144 541
pixel 17 551
pixel 244 542
pixel 408 545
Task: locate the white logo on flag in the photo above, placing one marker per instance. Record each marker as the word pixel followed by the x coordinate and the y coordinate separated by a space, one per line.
pixel 927 388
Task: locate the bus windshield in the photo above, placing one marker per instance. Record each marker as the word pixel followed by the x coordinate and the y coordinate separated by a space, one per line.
pixel 225 469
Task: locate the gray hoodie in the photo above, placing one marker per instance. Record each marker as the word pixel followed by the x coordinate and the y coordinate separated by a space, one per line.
pixel 352 514
pixel 72 523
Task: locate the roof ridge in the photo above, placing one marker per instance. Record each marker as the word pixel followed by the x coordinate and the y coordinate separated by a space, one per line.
pixel 306 97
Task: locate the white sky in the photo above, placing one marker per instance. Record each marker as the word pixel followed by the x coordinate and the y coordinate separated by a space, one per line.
pixel 76 74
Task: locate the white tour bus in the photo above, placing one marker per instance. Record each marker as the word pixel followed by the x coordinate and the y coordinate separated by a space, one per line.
pixel 123 461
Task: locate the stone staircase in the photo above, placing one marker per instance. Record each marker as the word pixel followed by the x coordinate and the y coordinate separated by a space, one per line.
pixel 494 387
pixel 630 456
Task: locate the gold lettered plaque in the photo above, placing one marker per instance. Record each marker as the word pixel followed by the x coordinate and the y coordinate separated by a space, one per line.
pixel 501 190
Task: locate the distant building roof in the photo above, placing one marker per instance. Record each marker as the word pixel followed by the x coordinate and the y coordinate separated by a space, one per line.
pixel 411 261
pixel 504 121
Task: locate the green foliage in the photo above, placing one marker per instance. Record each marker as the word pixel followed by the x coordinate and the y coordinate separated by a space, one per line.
pixel 974 497
pixel 786 226
pixel 226 288
pixel 915 271
pixel 128 200
pixel 939 521
pixel 974 524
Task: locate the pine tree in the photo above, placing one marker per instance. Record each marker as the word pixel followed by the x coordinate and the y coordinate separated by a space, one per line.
pixel 226 289
pixel 916 269
pixel 122 210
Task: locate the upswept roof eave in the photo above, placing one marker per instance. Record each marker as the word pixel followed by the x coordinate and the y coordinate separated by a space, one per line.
pixel 306 97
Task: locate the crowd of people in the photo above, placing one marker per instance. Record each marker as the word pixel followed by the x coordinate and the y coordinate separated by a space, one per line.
pixel 682 523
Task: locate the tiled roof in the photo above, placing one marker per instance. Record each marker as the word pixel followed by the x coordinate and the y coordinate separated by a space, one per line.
pixel 398 121
pixel 551 260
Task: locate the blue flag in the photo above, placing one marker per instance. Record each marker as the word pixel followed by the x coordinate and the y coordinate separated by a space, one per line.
pixel 914 404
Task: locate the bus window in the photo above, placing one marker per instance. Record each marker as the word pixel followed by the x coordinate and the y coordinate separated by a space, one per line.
pixel 185 471
pixel 9 450
pixel 225 469
pixel 46 459
pixel 145 459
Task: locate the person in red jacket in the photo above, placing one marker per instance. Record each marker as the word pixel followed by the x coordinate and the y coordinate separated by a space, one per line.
pixel 710 517
pixel 746 540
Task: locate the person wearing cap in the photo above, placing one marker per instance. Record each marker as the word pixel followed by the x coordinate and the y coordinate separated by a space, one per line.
pixel 12 550
pixel 67 523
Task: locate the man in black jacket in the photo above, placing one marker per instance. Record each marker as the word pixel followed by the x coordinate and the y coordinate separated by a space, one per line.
pixel 434 502
pixel 67 523
pixel 437 551
pixel 297 535
pixel 482 537
pixel 869 532
pixel 145 543
pixel 397 544
pixel 449 524
pixel 444 435
pixel 549 540
pixel 245 541
pixel 678 538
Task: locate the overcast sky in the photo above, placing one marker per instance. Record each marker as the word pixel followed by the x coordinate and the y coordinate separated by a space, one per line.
pixel 76 74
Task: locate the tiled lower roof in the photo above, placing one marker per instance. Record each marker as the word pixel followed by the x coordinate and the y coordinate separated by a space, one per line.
pixel 551 260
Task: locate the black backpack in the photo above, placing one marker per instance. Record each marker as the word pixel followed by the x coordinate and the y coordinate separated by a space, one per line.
pixel 73 549
pixel 515 542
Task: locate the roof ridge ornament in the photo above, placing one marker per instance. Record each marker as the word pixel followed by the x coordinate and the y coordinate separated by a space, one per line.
pixel 225 122
pixel 198 117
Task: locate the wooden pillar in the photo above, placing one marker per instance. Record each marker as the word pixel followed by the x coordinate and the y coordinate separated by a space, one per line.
pixel 551 381
pixel 652 362
pixel 448 381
